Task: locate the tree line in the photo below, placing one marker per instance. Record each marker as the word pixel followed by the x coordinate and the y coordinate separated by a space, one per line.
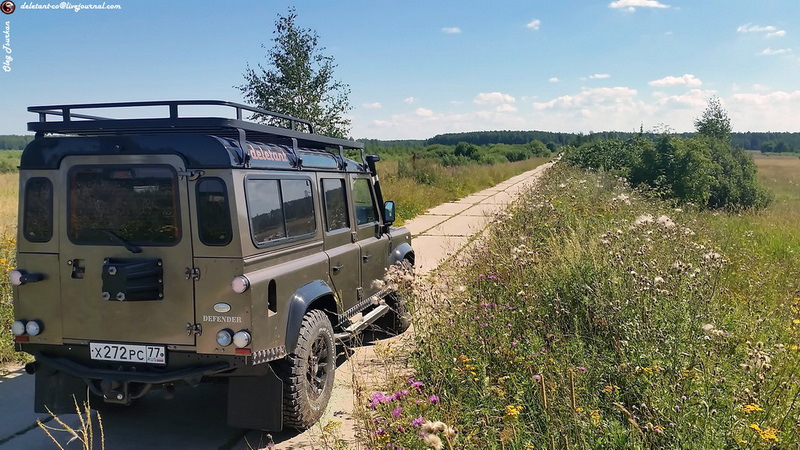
pixel 767 142
pixel 14 141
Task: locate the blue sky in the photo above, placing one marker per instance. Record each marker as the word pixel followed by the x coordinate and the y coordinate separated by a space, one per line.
pixel 420 68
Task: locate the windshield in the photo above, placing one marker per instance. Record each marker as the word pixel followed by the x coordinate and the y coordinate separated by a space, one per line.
pixel 118 205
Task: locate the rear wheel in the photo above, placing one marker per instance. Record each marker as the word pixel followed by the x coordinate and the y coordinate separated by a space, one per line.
pixel 398 319
pixel 308 372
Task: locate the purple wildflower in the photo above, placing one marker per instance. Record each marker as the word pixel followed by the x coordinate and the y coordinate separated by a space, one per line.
pixel 418 422
pixel 434 399
pixel 397 411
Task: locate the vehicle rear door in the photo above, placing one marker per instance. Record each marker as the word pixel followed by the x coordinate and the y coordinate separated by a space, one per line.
pixel 126 250
pixel 373 244
pixel 343 253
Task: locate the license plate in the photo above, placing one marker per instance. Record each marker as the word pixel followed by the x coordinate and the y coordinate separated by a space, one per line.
pixel 132 353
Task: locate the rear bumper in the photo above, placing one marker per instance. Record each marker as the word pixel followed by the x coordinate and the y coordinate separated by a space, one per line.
pixel 190 375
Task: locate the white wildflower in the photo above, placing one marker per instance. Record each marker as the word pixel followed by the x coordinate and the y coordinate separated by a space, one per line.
pixel 643 219
pixel 665 222
pixel 433 441
pixel 658 280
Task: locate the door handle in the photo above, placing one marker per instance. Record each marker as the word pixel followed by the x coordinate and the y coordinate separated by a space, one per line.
pixel 336 269
pixel 367 257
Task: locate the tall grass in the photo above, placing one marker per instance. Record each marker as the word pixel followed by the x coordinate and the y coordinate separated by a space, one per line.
pixel 593 317
pixel 8 248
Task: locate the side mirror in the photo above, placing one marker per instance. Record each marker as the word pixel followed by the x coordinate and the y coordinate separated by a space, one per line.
pixel 388 213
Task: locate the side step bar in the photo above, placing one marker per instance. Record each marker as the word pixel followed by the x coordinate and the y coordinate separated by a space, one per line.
pixel 359 326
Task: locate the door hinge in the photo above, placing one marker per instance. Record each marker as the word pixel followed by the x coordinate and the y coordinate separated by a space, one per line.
pixel 359 294
pixel 192 273
pixel 354 236
pixel 194 328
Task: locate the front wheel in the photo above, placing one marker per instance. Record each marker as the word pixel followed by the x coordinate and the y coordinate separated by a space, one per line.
pixel 308 372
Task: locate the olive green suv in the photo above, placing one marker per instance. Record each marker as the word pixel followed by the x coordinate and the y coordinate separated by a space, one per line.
pixel 178 246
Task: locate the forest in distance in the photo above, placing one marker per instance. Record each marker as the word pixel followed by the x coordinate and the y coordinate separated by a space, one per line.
pixel 767 142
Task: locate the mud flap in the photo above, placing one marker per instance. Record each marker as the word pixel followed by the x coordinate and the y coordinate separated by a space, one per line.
pixel 57 391
pixel 256 402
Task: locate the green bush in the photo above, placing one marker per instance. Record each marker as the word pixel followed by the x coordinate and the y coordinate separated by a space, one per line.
pixel 701 170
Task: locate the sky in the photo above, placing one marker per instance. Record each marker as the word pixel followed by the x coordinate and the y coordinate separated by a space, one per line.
pixel 420 68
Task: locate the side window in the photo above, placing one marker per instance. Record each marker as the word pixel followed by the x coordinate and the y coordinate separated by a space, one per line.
pixel 266 213
pixel 280 209
pixel 298 207
pixel 213 213
pixel 37 223
pixel 363 201
pixel 336 217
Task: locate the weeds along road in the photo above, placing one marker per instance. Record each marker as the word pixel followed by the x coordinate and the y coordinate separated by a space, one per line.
pixel 196 417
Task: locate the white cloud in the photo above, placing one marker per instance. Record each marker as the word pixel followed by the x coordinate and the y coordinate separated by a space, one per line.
pixel 768 31
pixel 409 100
pixel 451 30
pixel 554 80
pixel 695 98
pixel 534 24
pixel 616 108
pixel 780 51
pixel 777 110
pixel 685 80
pixel 492 98
pixel 590 97
pixel 599 76
pixel 631 5
pixel 375 105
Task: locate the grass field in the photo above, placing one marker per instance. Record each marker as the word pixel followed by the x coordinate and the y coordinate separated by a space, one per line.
pixel 594 317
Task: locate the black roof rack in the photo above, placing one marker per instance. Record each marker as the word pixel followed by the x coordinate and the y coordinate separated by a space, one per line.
pixel 238 128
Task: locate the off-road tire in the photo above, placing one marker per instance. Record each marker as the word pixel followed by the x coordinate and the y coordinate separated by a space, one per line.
pixel 398 319
pixel 308 372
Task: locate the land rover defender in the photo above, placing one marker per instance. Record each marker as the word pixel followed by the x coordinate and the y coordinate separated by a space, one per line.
pixel 175 247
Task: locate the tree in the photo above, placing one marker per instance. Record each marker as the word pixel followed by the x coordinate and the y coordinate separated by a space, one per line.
pixel 298 81
pixel 714 122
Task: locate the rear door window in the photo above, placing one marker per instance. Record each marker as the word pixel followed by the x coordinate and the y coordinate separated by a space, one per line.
pixel 336 217
pixel 137 204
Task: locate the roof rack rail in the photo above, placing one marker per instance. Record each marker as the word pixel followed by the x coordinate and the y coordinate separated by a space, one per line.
pixel 172 121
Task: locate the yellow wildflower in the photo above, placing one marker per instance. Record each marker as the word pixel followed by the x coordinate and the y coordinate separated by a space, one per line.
pixel 595 416
pixel 609 388
pixel 513 410
pixel 769 434
pixel 752 407
pixel 463 359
